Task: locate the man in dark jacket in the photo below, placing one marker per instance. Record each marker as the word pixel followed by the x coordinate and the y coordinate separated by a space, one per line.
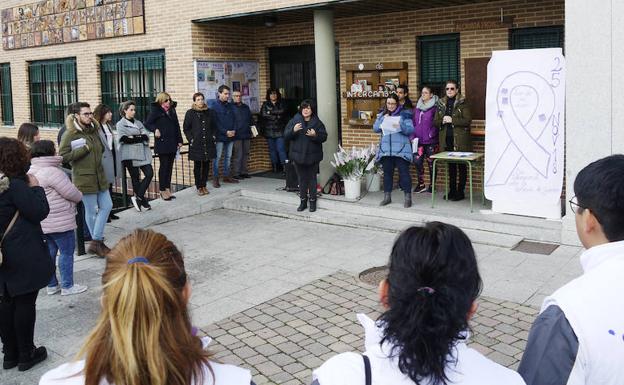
pixel 226 131
pixel 201 134
pixel 242 141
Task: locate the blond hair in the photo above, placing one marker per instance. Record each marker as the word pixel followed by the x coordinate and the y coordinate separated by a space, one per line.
pixel 143 334
pixel 161 97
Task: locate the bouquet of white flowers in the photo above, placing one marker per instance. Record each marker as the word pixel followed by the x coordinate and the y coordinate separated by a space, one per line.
pixel 352 165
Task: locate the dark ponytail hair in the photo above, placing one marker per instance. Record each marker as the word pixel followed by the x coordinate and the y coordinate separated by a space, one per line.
pixel 432 283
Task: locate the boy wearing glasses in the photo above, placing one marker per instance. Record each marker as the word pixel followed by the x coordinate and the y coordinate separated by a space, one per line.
pixel 453 118
pixel 82 148
pixel 578 338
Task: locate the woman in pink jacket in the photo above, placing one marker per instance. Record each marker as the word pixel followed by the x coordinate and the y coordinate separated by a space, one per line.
pixel 60 224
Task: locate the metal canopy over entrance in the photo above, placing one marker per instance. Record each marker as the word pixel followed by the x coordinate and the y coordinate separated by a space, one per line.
pixel 341 8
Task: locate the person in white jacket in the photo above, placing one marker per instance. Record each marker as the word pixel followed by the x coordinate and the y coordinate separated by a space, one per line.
pixel 429 297
pixel 578 337
pixel 60 224
pixel 144 334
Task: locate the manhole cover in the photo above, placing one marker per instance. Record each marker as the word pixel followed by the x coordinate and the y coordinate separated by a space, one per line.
pixel 375 275
pixel 535 247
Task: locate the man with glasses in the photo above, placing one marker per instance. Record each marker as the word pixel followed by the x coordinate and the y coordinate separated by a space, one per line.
pixel 242 141
pixel 453 118
pixel 226 131
pixel 578 338
pixel 82 148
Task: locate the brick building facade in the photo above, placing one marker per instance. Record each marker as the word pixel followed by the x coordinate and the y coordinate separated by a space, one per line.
pixel 211 30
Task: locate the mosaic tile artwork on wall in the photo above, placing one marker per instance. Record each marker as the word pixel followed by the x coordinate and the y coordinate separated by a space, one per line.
pixel 51 22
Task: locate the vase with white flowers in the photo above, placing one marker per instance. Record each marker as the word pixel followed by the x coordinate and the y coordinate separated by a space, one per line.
pixel 351 166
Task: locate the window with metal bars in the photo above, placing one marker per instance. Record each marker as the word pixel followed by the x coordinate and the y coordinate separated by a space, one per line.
pixel 6 97
pixel 53 86
pixel 536 37
pixel 439 60
pixel 137 76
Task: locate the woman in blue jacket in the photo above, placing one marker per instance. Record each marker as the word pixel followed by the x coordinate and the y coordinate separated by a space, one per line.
pixel 395 149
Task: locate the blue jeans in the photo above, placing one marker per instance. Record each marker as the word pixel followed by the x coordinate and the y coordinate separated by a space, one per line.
pixel 405 180
pixel 277 150
pixel 97 207
pixel 226 162
pixel 66 244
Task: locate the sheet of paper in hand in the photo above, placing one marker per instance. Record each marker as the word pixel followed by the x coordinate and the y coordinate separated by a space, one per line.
pixel 78 143
pixel 414 145
pixel 391 125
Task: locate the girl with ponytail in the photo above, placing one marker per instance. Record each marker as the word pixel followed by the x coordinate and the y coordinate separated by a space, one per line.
pixel 144 335
pixel 429 296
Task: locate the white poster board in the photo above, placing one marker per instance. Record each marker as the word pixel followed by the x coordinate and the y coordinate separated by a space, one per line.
pixel 524 132
pixel 238 75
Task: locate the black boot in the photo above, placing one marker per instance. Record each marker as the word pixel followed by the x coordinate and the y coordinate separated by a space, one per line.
pixel 408 200
pixel 304 204
pixel 38 354
pixel 312 205
pixel 387 199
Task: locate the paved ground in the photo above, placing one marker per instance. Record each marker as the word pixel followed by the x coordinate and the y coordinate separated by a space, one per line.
pixel 279 295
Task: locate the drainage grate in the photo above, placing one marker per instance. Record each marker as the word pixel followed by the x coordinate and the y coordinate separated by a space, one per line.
pixel 375 275
pixel 535 247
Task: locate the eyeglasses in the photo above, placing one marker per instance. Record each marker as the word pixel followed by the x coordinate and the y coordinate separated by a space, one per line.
pixel 450 88
pixel 391 103
pixel 166 100
pixel 574 206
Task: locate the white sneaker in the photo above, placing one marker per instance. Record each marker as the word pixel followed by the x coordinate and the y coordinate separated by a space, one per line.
pixel 76 289
pixel 53 290
pixel 135 203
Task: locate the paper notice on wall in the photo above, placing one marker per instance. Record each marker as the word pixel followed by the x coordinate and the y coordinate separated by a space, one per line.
pixel 238 75
pixel 524 128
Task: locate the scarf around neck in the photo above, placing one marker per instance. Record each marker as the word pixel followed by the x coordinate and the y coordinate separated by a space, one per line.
pixel 426 106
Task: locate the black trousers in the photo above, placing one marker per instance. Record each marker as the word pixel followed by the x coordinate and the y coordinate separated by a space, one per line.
pixel 139 186
pixel 17 325
pixel 200 170
pixel 306 175
pixel 454 184
pixel 165 170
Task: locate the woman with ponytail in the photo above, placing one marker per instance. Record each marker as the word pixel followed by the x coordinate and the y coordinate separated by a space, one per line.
pixel 429 296
pixel 143 335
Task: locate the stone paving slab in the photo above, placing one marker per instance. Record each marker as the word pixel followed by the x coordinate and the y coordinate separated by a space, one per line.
pixel 282 340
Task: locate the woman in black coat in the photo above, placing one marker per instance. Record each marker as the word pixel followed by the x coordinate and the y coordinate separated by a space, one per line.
pixel 26 265
pixel 200 131
pixel 162 120
pixel 272 118
pixel 306 134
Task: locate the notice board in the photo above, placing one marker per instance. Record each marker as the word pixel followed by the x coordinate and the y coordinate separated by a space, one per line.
pixel 238 75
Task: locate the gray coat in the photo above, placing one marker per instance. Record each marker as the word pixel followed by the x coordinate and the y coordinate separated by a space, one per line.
pixel 108 160
pixel 139 153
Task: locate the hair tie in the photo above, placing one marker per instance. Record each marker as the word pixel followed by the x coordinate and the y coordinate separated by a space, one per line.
pixel 426 290
pixel 138 260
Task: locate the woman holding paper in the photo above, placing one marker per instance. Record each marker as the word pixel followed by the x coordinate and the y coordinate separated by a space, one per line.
pixel 425 136
pixel 395 149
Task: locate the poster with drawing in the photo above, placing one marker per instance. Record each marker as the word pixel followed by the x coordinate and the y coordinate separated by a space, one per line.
pixel 238 75
pixel 524 132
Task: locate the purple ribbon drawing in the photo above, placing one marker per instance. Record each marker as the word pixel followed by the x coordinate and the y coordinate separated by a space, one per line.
pixel 526 103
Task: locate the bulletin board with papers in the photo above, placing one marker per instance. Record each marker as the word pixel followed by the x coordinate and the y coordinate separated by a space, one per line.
pixel 238 75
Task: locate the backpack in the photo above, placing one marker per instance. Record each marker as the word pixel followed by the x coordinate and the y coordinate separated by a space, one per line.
pixel 334 186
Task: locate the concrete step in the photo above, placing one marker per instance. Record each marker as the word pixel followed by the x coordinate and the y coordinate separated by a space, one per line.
pixel 285 207
pixel 481 220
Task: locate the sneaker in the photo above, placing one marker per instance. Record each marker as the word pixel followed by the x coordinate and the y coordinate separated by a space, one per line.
pixel 38 354
pixel 429 189
pixel 421 188
pixel 76 289
pixel 145 204
pixel 135 203
pixel 53 290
